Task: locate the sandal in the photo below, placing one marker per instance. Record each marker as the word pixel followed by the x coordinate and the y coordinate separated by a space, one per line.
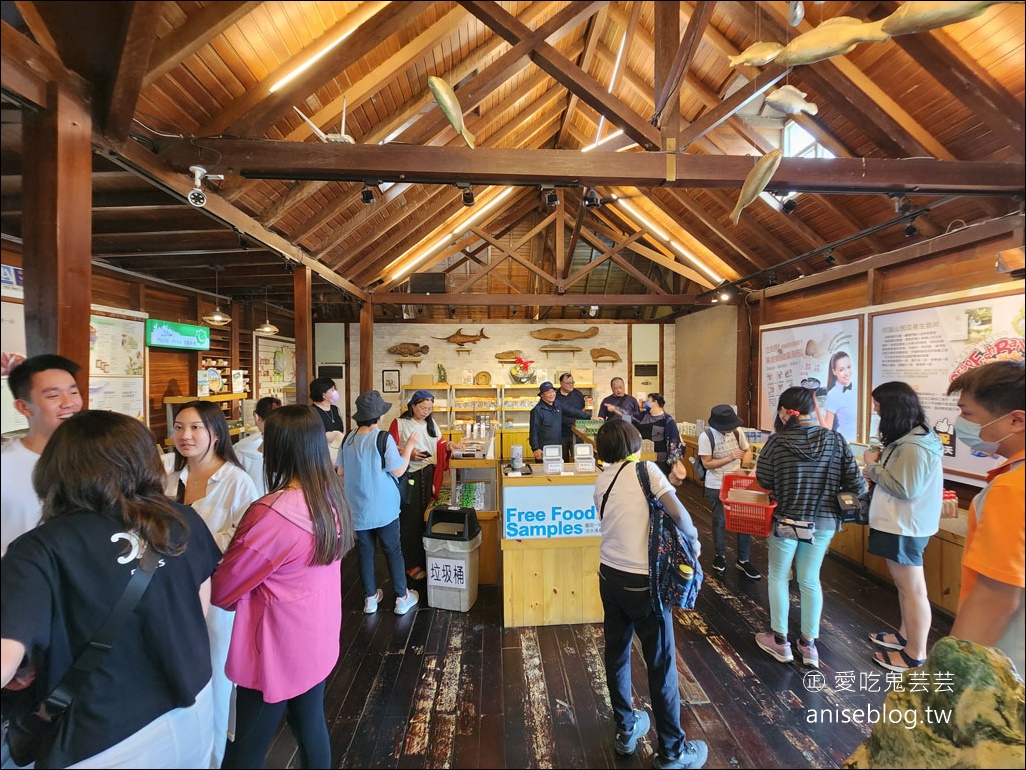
pixel 879 641
pixel 416 573
pixel 885 660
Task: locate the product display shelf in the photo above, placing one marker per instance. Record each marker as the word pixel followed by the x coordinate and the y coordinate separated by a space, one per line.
pixel 469 403
pixel 238 422
pixel 219 359
pixel 517 403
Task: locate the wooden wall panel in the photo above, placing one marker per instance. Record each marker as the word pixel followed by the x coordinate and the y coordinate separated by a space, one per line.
pixel 817 300
pixel 171 373
pixel 168 306
pixel 115 292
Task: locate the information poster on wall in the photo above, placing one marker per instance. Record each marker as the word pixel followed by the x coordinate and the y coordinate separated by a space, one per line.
pixel 12 336
pixel 117 365
pixel 824 357
pixel 928 347
pixel 276 366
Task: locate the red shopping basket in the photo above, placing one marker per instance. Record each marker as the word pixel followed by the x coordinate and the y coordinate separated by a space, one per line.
pixel 745 518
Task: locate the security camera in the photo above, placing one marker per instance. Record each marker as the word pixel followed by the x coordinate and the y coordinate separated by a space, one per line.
pixel 197 198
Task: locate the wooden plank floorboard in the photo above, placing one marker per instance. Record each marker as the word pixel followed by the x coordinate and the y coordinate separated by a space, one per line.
pixel 440 689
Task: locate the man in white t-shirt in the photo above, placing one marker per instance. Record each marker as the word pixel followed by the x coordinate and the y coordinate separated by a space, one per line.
pixel 45 392
pixel 727 453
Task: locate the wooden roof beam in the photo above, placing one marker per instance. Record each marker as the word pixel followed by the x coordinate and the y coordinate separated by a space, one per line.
pixel 669 93
pixel 133 61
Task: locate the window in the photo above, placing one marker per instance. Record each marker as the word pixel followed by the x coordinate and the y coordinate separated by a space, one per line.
pixel 797 143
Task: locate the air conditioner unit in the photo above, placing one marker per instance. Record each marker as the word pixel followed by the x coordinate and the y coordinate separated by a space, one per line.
pixel 645 377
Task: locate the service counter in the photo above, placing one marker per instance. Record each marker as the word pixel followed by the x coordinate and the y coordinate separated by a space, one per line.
pixel 550 548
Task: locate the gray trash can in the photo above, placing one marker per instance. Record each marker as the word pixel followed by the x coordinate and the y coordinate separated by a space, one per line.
pixel 452 544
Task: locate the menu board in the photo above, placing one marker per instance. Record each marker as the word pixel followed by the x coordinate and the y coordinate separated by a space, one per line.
pixel 928 347
pixel 276 366
pixel 825 357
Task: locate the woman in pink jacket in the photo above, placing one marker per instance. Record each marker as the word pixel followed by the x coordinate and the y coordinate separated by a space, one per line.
pixel 281 575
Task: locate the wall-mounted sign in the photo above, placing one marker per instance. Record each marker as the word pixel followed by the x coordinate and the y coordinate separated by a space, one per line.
pixel 549 511
pixel 168 334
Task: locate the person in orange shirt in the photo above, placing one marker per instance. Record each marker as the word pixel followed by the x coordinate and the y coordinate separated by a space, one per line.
pixel 993 422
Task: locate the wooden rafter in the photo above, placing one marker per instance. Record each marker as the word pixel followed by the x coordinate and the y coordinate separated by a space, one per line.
pixel 133 61
pixel 669 93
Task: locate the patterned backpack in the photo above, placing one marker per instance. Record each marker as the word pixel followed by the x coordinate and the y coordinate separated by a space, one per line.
pixel 675 576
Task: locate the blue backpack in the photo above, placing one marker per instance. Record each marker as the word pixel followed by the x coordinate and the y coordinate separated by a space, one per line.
pixel 675 575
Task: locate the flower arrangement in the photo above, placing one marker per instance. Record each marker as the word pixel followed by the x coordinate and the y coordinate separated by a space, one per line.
pixel 521 372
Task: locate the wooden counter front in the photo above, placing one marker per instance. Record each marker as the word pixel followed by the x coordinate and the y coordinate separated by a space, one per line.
pixel 550 580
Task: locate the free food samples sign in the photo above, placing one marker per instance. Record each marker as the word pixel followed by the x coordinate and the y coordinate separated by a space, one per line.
pixel 549 511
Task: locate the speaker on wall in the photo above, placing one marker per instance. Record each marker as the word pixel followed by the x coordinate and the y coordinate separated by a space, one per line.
pixel 331 372
pixel 427 283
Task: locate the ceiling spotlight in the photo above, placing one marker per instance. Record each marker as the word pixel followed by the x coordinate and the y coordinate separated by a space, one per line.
pixel 724 293
pixel 592 200
pixel 789 205
pixel 217 317
pixel 911 231
pixel 551 196
pixel 367 195
pixel 452 311
pixel 771 278
pixel 584 312
pixel 513 312
pixel 902 205
pixel 637 312
pixel 468 197
pixel 830 259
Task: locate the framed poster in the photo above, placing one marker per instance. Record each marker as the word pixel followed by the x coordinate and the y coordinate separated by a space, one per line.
pixel 929 346
pixel 825 357
pixel 389 380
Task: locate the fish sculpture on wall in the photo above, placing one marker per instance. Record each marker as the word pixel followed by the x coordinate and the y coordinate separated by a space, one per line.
pixel 509 356
pixel 554 335
pixel 756 54
pixel 834 37
pixel 450 106
pixel 790 101
pixel 604 355
pixel 921 17
pixel 756 181
pixel 408 349
pixel 459 338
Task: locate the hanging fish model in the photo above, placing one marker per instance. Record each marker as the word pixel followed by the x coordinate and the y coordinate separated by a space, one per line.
pixel 756 181
pixel 790 101
pixel 795 12
pixel 756 54
pixel 408 349
pixel 834 37
pixel 450 107
pixel 920 17
pixel 459 338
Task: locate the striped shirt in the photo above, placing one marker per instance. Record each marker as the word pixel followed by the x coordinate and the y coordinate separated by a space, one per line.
pixel 805 466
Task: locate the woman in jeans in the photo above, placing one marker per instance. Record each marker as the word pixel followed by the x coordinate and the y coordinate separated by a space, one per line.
pixel 624 588
pixel 904 514
pixel 281 575
pixel 803 466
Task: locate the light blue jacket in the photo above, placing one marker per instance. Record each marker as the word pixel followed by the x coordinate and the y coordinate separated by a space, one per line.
pixel 910 485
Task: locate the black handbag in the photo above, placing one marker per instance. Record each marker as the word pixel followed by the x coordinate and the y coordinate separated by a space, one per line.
pixel 31 735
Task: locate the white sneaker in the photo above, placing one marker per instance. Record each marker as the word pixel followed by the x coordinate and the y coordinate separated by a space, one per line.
pixel 406 603
pixel 370 603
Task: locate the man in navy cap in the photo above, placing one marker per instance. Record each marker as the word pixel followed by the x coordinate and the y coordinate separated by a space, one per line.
pixel 546 420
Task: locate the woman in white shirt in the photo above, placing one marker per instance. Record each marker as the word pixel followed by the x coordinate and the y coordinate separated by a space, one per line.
pixel 418 487
pixel 250 450
pixel 208 476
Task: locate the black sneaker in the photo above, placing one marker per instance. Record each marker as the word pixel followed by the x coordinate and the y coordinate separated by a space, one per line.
pixel 720 563
pixel 747 568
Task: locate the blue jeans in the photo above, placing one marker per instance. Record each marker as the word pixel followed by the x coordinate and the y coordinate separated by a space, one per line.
pixel 782 553
pixel 257 722
pixel 628 611
pixel 388 536
pixel 744 542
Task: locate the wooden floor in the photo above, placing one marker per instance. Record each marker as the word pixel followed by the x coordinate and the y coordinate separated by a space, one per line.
pixel 442 689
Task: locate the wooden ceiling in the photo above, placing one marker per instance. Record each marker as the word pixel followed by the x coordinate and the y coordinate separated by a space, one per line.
pixel 935 116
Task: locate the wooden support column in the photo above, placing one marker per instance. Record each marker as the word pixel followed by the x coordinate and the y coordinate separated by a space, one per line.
pixel 302 282
pixel 57 187
pixel 366 347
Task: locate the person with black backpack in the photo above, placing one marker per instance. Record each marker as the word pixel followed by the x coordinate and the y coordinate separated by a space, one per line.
pixel 723 449
pixel 371 466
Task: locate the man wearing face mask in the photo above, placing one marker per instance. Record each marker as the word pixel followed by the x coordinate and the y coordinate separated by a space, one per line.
pixel 993 422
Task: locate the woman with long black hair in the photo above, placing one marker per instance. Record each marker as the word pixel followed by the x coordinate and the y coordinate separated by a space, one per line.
pixel 903 515
pixel 281 576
